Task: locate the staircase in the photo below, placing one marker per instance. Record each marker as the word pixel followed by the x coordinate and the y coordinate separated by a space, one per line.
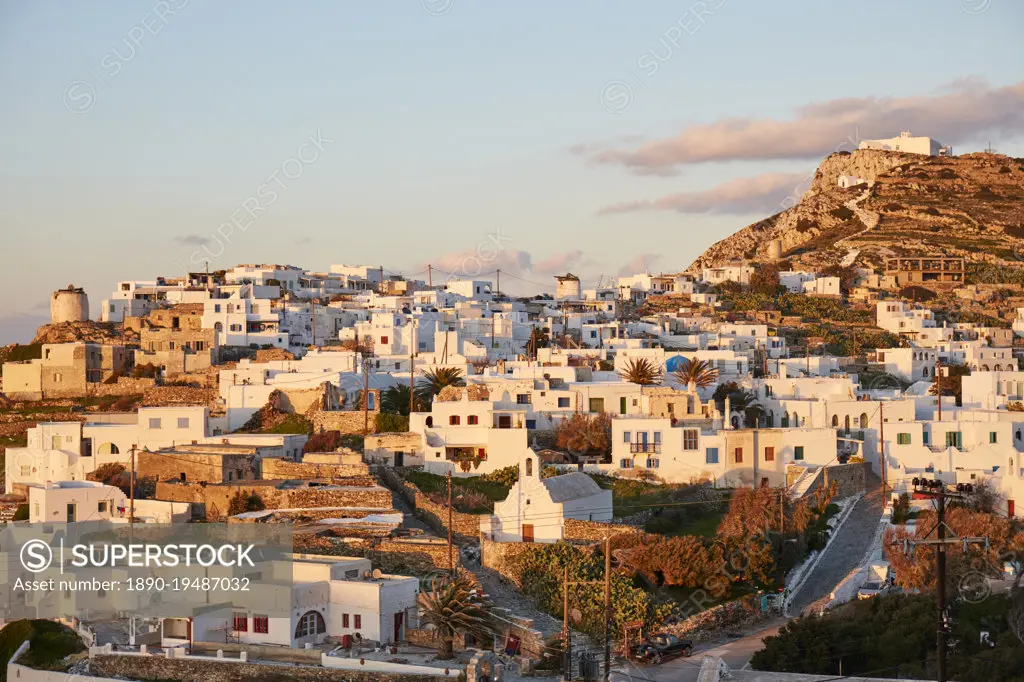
pixel 804 483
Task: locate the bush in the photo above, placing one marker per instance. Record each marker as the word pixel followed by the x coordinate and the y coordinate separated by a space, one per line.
pixel 323 441
pixel 145 371
pixel 506 476
pixel 125 403
pixel 49 644
pixel 21 513
pixel 107 473
pixel 387 422
pixel 241 503
pixel 843 213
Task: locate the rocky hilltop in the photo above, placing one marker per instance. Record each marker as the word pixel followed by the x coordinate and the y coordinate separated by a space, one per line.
pixel 899 205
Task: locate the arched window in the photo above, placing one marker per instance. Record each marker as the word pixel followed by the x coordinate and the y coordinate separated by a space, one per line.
pixel 846 423
pixel 835 421
pixel 218 327
pixel 108 449
pixel 430 422
pixel 311 623
pixel 785 420
pixel 863 420
pixel 529 466
pixel 771 419
pixel 794 419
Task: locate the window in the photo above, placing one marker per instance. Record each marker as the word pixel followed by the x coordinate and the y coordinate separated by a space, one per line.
pixel 101 507
pixel 798 452
pixel 154 423
pixel 671 408
pixel 954 439
pixel 311 623
pixel 992 437
pixel 472 419
pixel 657 437
pixel 738 452
pixel 529 466
pixel 626 463
pixel 563 402
pixel 454 420
pixel 384 342
pixel 531 423
pixel 690 437
pixel 626 436
pixel 358 621
pixel 57 377
pixel 924 437
pixel 55 442
pixel 652 462
pixel 769 454
pixel 902 439
pixel 216 308
pixel 711 456
pixel 182 422
pixel 241 622
pixel 344 620
pixel 523 399
pixel 261 624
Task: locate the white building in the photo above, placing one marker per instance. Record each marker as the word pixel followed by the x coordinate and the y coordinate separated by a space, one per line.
pixel 536 508
pixel 737 272
pixel 71 501
pixel 909 144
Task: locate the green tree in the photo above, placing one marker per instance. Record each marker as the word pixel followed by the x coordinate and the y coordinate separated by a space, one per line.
pixel 434 380
pixel 641 371
pixel 396 400
pixel 702 373
pixel 242 502
pixel 452 608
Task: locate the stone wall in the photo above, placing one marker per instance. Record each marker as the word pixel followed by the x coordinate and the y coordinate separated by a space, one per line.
pixel 718 620
pixel 217 497
pixel 159 668
pixel 576 529
pixel 501 557
pixel 465 527
pixel 348 423
pixel 212 468
pixel 179 395
pixel 435 550
pixel 851 478
pixel 124 386
pixel 283 469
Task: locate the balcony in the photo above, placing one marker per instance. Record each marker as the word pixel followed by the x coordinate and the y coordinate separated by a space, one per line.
pixel 645 448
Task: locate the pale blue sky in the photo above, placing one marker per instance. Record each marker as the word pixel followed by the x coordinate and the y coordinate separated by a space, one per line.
pixel 445 126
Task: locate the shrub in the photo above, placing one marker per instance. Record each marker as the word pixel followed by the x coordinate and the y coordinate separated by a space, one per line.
pixel 125 403
pixel 323 441
pixel 241 503
pixel 843 213
pixel 107 472
pixel 21 513
pixel 506 476
pixel 387 422
pixel 145 371
pixel 931 210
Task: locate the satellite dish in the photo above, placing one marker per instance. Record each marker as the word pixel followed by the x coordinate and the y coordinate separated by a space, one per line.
pixel 377 575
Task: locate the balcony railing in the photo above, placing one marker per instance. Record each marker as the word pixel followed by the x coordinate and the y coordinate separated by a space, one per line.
pixel 645 448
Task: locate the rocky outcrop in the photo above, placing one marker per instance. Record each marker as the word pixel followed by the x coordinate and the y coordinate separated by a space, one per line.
pixel 970 206
pixel 96 332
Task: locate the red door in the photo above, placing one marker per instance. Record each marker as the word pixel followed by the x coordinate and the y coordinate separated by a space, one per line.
pixel 1009 509
pixel 527 532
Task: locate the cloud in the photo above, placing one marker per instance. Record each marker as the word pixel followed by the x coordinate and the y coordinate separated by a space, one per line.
pixel 190 240
pixel 20 327
pixel 641 263
pixel 559 262
pixel 758 194
pixel 952 114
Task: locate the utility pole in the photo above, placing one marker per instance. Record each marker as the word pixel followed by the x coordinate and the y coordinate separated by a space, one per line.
pixel 607 608
pixel 430 277
pixel 937 491
pixel 131 491
pixel 413 342
pixel 382 280
pixel 366 396
pixel 451 558
pixel 498 291
pixel 312 310
pixel 881 446
pixel 938 382
pixel 940 588
pixel 566 643
pixel 807 357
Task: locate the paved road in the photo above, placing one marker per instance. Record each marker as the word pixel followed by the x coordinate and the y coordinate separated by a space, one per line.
pixel 844 551
pixel 736 653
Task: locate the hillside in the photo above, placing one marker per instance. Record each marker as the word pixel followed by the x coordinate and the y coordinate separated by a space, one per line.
pixel 970 206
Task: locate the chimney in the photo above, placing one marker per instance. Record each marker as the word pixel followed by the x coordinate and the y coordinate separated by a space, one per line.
pixel 728 414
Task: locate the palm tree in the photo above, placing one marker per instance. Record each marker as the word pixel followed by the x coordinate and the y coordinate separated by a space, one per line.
pixel 641 371
pixel 396 400
pixel 452 607
pixel 434 380
pixel 702 373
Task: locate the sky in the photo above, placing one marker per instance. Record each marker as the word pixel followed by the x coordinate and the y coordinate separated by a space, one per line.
pixel 143 139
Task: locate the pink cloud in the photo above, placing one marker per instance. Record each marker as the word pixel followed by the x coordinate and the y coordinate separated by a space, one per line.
pixel 758 194
pixel 951 114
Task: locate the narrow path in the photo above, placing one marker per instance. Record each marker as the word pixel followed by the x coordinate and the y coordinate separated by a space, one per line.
pixel 870 219
pixel 844 551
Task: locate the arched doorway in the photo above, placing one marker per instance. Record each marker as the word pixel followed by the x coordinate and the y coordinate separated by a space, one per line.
pixel 309 626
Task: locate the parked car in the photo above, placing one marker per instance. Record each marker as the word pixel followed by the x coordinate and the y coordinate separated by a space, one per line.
pixel 657 648
pixel 879 581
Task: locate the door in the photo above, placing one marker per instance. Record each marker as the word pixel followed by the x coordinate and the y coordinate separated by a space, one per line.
pixel 71 513
pixel 399 458
pixel 399 618
pixel 597 404
pixel 1010 510
pixel 643 441
pixel 622 405
pixel 504 421
pixel 527 532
